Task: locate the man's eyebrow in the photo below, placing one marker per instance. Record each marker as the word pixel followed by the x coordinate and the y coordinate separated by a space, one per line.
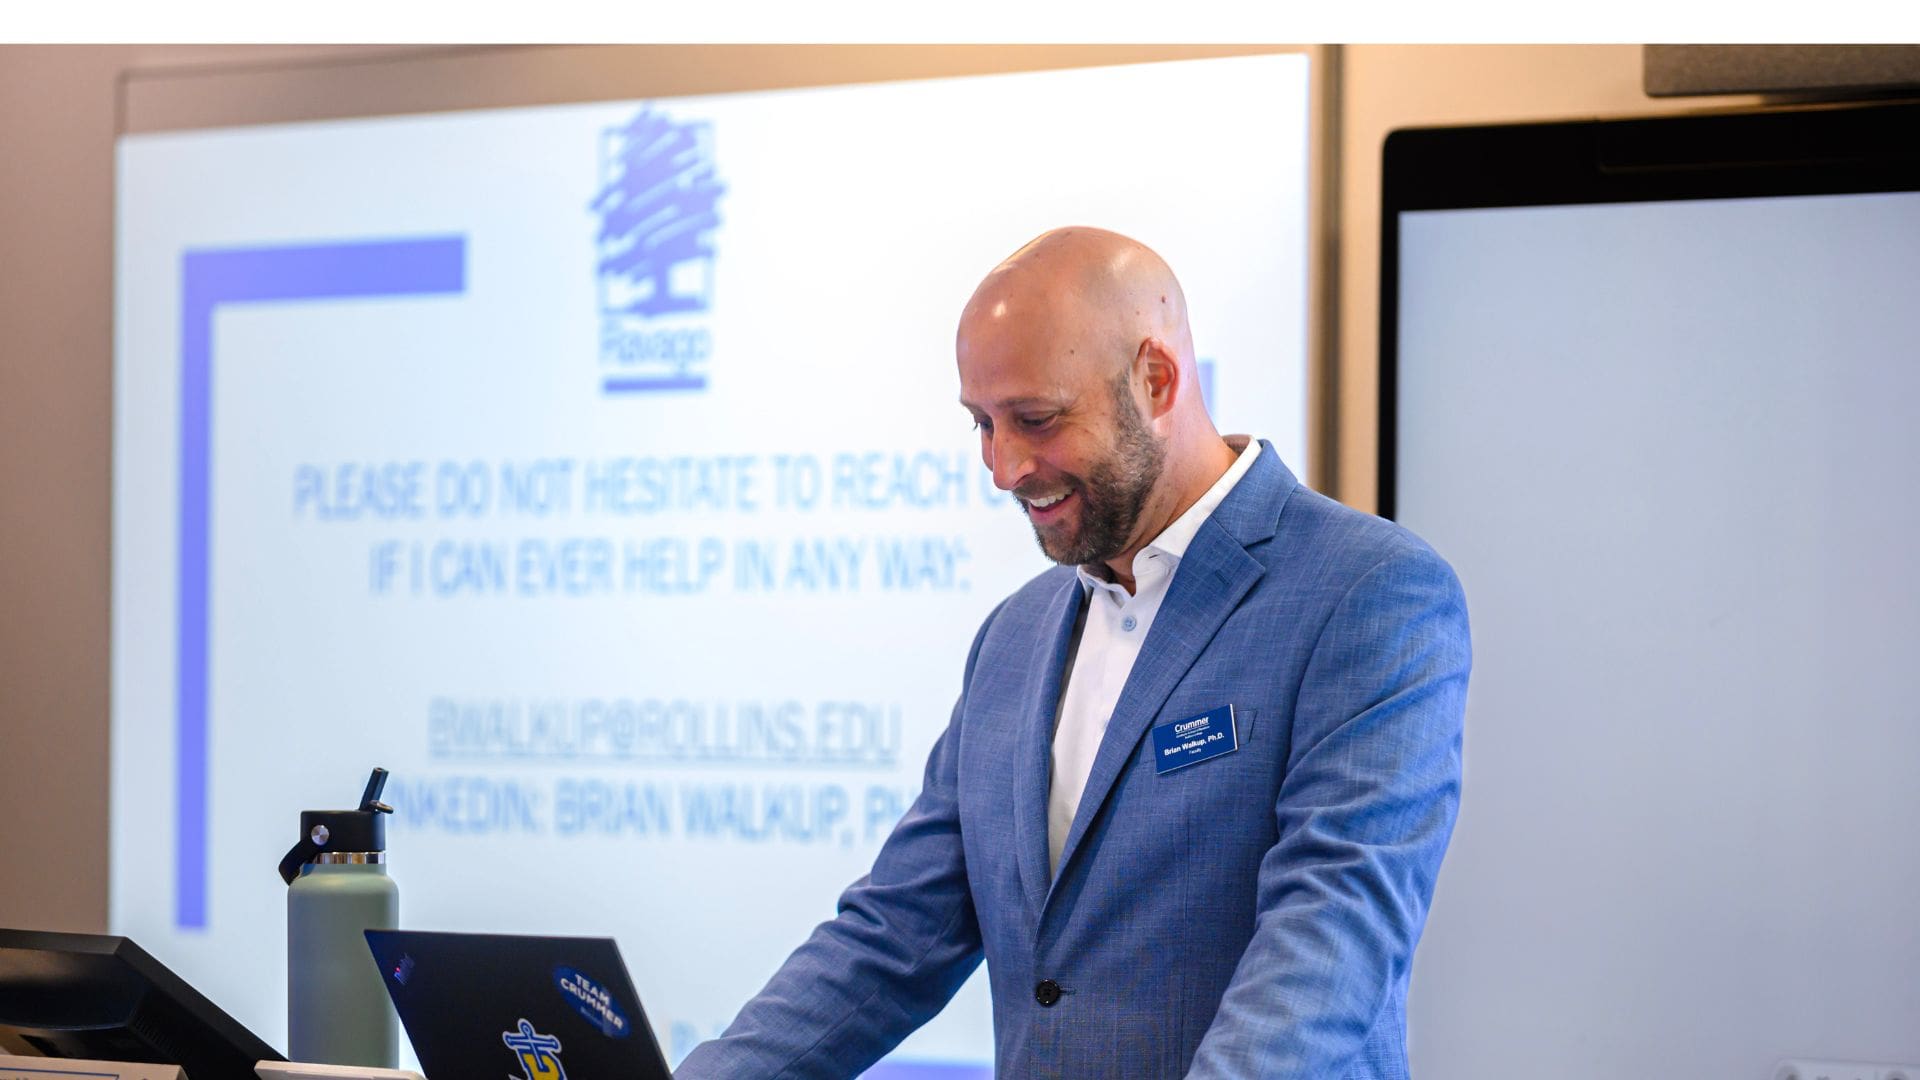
pixel 1015 402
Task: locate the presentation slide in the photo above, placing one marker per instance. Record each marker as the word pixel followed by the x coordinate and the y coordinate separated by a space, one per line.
pixel 1670 449
pixel 598 470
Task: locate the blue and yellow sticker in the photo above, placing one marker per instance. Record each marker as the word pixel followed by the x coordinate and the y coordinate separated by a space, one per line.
pixel 539 1054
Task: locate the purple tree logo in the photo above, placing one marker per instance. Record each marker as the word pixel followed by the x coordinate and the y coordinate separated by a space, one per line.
pixel 657 206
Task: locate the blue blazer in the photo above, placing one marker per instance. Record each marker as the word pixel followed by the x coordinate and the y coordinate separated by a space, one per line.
pixel 1254 914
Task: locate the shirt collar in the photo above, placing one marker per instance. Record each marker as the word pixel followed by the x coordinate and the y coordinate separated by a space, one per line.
pixel 1173 541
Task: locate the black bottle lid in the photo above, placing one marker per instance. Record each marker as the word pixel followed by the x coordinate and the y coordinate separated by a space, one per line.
pixel 321 831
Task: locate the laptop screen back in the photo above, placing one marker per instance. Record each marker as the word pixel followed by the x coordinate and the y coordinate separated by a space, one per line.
pixel 537 1008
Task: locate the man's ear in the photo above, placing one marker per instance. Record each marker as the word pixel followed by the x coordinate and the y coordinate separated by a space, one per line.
pixel 1159 370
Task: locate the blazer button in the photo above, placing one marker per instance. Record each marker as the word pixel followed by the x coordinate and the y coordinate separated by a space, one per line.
pixel 1047 993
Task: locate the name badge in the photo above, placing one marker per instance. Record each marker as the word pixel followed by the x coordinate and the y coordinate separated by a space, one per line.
pixel 1179 743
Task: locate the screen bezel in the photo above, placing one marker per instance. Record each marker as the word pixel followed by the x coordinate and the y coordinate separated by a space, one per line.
pixel 1817 150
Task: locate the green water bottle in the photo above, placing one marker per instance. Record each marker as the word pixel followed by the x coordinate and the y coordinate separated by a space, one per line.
pixel 337 888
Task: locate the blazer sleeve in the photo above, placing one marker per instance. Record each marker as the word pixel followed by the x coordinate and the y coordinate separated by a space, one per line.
pixel 904 941
pixel 1364 813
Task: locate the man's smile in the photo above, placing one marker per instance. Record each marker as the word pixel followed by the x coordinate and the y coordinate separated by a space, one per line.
pixel 1046 508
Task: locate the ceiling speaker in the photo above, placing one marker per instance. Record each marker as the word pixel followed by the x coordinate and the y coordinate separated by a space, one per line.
pixel 1814 70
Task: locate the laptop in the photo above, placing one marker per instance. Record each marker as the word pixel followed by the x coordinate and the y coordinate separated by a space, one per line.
pixel 526 1008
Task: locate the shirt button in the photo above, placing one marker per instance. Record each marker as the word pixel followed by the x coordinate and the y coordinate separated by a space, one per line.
pixel 1128 623
pixel 1047 993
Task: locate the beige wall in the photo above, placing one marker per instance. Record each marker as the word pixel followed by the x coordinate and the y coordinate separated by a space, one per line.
pixel 56 409
pixel 57 123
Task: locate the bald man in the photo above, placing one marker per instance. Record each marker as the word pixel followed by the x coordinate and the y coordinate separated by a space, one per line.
pixel 1193 798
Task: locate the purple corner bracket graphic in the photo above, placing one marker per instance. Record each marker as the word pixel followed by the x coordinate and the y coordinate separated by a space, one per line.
pixel 927 1070
pixel 354 270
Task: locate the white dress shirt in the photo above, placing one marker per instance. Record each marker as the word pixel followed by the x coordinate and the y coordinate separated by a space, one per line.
pixel 1111 627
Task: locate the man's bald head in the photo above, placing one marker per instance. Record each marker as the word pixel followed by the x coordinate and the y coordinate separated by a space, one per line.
pixel 1114 291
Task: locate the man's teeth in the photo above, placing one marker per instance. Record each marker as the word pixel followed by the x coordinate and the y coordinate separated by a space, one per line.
pixel 1042 504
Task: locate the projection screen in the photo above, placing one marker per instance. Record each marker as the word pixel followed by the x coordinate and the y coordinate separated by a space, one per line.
pixel 596 467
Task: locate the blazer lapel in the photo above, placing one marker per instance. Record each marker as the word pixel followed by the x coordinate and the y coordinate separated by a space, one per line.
pixel 1035 759
pixel 1213 576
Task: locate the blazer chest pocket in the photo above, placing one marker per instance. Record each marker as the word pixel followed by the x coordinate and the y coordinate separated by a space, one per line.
pixel 1223 805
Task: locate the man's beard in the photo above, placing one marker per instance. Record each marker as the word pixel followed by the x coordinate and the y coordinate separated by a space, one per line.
pixel 1113 494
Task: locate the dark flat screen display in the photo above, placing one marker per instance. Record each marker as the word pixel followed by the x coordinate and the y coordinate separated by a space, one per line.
pixel 1652 387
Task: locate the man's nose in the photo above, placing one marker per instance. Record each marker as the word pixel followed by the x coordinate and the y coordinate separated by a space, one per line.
pixel 1010 458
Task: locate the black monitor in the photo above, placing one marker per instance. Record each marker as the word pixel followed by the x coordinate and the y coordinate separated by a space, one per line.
pixel 102 997
pixel 1804 151
pixel 1652 386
